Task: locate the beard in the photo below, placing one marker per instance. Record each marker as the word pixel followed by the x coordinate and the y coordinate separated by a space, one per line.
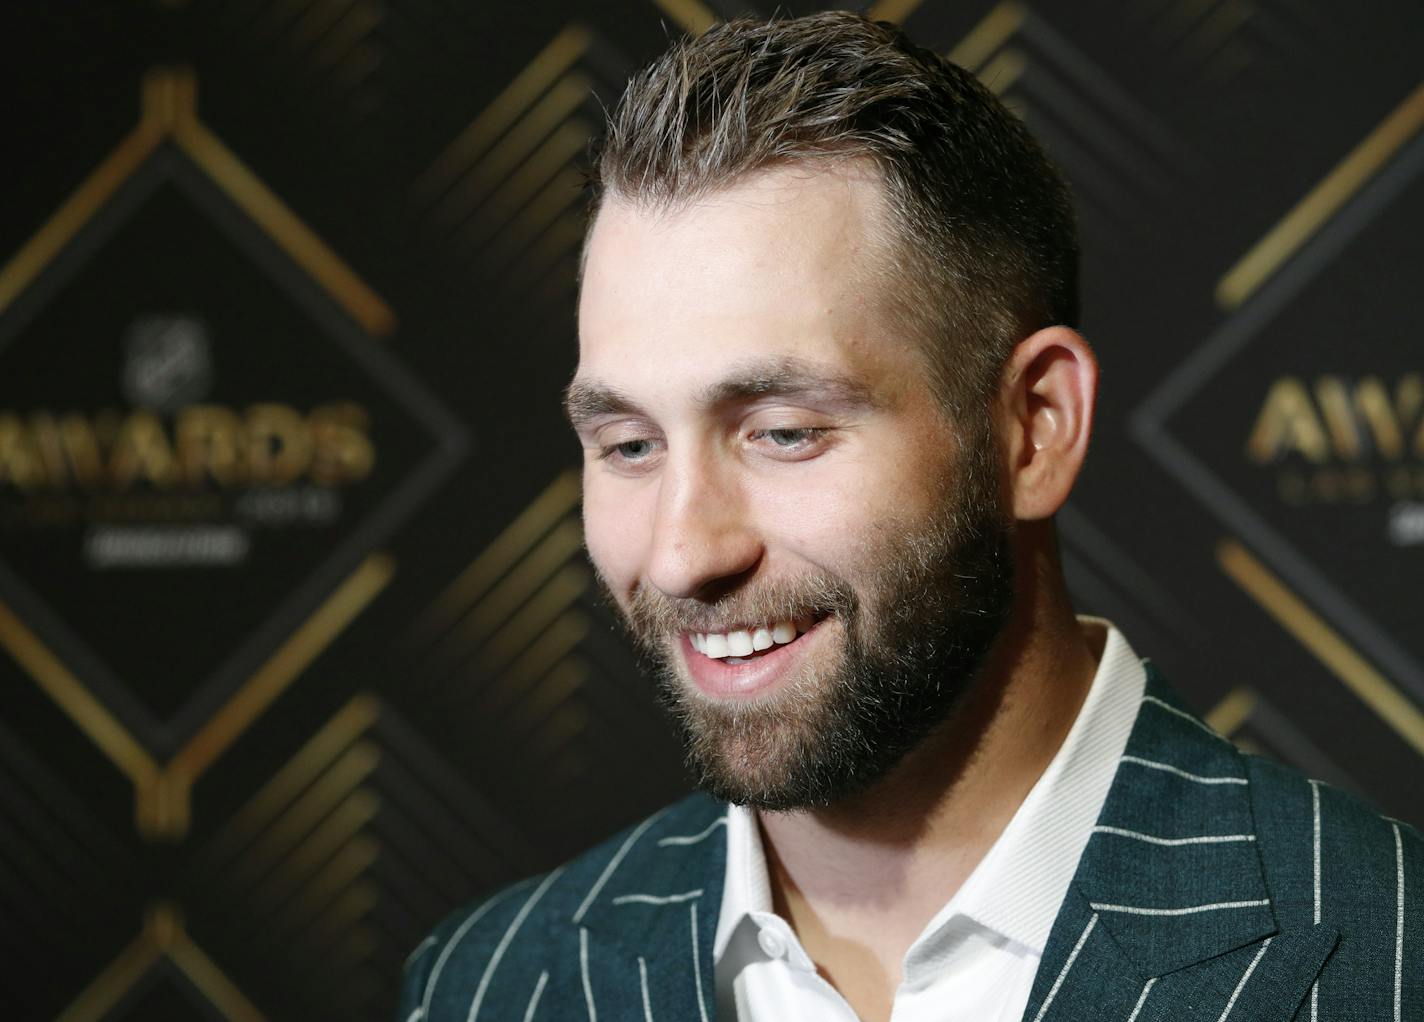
pixel 913 636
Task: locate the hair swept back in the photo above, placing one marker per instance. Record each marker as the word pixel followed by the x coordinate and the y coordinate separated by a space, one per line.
pixel 985 246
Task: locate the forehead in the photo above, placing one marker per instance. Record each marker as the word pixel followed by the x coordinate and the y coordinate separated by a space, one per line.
pixel 785 263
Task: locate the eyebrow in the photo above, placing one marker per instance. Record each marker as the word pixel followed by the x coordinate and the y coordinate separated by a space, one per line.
pixel 787 377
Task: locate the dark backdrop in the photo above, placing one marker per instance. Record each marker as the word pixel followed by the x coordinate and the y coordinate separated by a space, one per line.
pixel 298 650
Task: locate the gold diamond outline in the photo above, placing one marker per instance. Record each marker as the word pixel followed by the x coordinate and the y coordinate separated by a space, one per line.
pixel 1323 642
pixel 1322 202
pixel 169 114
pixel 1316 210
pixel 162 936
pixel 163 792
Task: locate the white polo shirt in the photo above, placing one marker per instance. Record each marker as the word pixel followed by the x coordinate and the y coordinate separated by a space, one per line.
pixel 976 959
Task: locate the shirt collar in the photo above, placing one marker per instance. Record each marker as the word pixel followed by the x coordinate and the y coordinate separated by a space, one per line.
pixel 746 887
pixel 1017 887
pixel 1020 883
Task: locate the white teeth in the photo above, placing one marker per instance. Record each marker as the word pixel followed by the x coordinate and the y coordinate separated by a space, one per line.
pixel 743 642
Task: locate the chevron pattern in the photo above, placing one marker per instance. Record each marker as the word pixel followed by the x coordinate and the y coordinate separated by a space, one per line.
pixel 448 705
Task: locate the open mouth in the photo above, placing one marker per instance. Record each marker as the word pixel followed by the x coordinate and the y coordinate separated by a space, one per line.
pixel 743 645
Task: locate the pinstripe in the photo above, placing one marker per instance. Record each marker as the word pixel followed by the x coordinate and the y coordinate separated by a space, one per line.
pixel 420 949
pixel 504 942
pixel 1315 844
pixel 534 997
pixel 1063 972
pixel 643 981
pixel 613 863
pixel 1138 910
pixel 656 899
pixel 1169 768
pixel 1398 921
pixel 468 951
pixel 1142 999
pixel 455 938
pixel 1241 984
pixel 1183 714
pixel 1315 881
pixel 697 966
pixel 583 970
pixel 692 839
pixel 1204 839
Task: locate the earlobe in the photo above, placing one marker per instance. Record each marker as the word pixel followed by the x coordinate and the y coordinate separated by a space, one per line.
pixel 1050 387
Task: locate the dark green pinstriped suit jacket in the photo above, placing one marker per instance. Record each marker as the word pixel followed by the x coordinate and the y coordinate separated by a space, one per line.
pixel 1217 886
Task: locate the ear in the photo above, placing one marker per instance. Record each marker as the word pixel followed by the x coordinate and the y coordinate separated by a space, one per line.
pixel 1046 395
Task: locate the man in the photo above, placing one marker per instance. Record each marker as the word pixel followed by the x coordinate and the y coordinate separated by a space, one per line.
pixel 831 398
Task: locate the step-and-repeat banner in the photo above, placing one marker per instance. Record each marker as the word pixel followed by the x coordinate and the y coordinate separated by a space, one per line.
pixel 298 646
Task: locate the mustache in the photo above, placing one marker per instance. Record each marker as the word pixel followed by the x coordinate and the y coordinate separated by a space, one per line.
pixel 653 614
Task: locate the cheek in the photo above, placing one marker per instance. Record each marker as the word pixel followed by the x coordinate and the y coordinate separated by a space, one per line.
pixel 615 539
pixel 835 520
pixel 843 518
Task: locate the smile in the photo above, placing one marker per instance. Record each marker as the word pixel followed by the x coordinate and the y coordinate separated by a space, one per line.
pixel 734 645
pixel 750 660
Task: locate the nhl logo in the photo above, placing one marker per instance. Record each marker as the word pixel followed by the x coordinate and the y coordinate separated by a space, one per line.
pixel 167 362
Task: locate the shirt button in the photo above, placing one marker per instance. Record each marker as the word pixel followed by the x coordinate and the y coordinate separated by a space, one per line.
pixel 771 943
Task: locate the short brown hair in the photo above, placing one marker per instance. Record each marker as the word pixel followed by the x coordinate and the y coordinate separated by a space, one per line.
pixel 984 223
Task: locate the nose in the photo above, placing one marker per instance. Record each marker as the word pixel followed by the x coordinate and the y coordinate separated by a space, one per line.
pixel 703 539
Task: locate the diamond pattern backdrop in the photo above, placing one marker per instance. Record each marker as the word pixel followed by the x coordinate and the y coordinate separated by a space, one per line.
pixel 298 647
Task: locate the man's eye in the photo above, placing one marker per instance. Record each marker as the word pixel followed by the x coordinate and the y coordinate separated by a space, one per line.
pixel 790 439
pixel 628 450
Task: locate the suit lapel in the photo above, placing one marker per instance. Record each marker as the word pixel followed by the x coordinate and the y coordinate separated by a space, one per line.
pixel 647 933
pixel 1172 905
pixel 1169 905
pixel 1177 928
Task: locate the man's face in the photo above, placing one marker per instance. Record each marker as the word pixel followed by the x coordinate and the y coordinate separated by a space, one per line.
pixel 812 556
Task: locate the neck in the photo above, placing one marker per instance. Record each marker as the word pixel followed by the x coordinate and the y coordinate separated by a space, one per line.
pixel 873 869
